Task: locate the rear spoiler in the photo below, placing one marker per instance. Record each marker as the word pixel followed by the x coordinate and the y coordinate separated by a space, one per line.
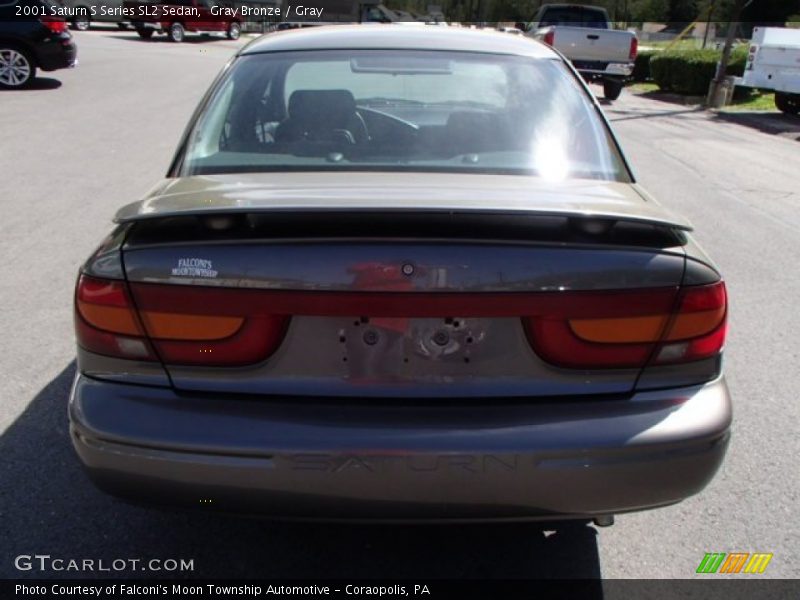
pixel 589 217
pixel 583 200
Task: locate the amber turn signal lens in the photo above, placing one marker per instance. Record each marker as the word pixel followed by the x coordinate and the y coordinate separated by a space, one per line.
pixel 174 326
pixel 621 330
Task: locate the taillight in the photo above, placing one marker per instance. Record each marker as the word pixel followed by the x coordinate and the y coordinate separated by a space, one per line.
pixel 179 325
pixel 54 24
pixel 615 329
pixel 549 37
pixel 628 329
pixel 106 322
pixel 208 326
pixel 634 49
pixel 751 57
pixel 699 326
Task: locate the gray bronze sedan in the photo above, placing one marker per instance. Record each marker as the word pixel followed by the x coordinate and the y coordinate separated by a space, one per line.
pixel 395 273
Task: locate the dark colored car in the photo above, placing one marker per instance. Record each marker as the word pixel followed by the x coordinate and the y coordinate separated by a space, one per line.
pixel 177 17
pixel 400 273
pixel 32 38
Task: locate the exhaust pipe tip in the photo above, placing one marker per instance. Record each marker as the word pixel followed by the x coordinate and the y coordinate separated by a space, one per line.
pixel 604 520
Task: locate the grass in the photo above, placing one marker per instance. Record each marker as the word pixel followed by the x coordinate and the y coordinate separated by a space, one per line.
pixel 649 87
pixel 684 44
pixel 756 101
pixel 643 87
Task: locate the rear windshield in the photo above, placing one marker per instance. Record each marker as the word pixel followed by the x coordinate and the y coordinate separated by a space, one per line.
pixel 574 16
pixel 401 111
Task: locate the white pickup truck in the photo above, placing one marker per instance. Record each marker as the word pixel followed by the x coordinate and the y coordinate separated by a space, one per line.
pixel 773 63
pixel 584 34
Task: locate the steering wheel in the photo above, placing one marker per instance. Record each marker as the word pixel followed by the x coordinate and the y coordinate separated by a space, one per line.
pixel 388 121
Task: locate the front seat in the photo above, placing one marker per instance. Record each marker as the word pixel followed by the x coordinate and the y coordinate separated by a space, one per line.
pixel 322 116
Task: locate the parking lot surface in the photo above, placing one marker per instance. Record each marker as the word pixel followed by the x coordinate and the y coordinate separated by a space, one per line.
pixel 81 143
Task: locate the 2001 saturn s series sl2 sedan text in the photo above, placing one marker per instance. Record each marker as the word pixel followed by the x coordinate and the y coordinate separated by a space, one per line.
pixel 397 273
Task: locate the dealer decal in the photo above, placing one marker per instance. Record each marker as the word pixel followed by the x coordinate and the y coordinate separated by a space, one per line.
pixel 194 267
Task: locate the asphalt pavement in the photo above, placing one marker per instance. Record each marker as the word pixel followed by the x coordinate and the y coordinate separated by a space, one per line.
pixel 82 142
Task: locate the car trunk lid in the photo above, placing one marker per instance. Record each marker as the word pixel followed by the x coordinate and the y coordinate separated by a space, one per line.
pixel 325 291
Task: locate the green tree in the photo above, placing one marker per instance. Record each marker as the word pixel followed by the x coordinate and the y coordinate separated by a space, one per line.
pixel 682 11
pixel 770 12
pixel 721 9
pixel 510 10
pixel 655 11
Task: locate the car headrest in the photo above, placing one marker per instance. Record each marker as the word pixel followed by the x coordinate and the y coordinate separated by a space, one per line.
pixel 475 131
pixel 473 120
pixel 334 107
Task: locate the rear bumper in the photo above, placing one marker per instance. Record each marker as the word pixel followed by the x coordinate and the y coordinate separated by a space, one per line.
pixel 602 69
pixel 57 54
pixel 311 459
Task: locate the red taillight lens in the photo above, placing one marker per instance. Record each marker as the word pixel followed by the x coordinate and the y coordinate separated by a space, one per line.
pixel 549 37
pixel 616 329
pixel 106 322
pixel 178 324
pixel 634 49
pixel 54 24
pixel 555 342
pixel 627 329
pixel 699 326
pixel 209 326
pixel 188 325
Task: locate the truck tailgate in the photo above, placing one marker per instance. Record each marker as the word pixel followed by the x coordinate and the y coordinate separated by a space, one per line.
pixel 602 45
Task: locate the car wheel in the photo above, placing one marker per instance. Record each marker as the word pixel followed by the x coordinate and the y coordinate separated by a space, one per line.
pixel 176 33
pixel 234 31
pixel 144 33
pixel 612 88
pixel 788 103
pixel 16 68
pixel 81 23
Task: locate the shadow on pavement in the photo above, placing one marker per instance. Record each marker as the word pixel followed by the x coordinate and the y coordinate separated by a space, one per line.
pixel 190 38
pixel 100 26
pixel 48 506
pixel 671 98
pixel 766 122
pixel 630 115
pixel 40 83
